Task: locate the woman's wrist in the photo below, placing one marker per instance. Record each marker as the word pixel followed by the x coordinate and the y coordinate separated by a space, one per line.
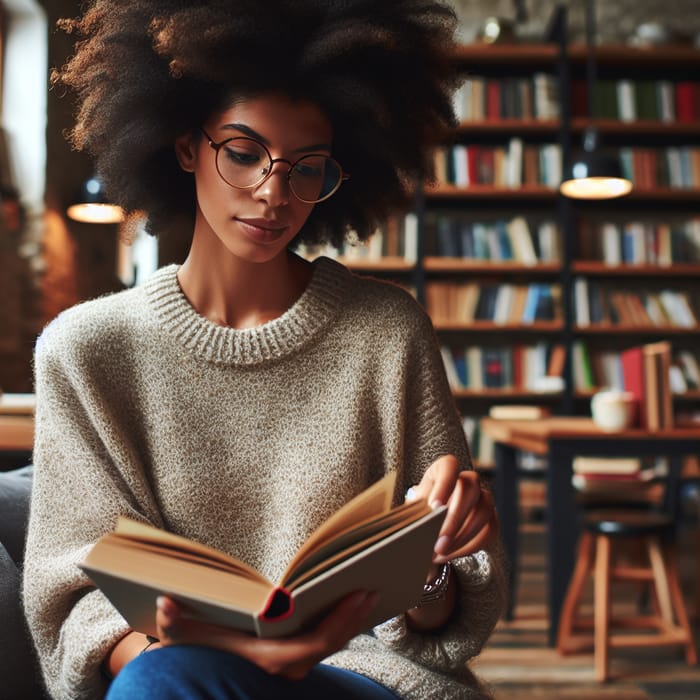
pixel 435 588
pixel 437 602
pixel 126 649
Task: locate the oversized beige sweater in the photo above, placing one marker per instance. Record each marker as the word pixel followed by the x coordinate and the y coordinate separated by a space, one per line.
pixel 245 440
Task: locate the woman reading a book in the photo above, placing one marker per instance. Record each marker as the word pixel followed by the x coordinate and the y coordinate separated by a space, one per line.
pixel 242 396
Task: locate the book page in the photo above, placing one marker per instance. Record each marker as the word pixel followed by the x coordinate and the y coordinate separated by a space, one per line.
pixel 141 535
pixel 367 505
pixel 355 540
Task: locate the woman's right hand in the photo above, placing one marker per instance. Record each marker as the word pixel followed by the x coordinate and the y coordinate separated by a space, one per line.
pixel 290 657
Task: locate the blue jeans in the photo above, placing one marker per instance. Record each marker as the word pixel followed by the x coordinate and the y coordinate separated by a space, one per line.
pixel 199 673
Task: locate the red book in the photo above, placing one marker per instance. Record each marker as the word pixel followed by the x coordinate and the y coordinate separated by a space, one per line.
pixel 686 101
pixel 633 378
pixel 493 99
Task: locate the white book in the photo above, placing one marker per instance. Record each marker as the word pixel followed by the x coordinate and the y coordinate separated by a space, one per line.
pixel 611 243
pixel 677 311
pixel 676 380
pixel 521 240
pixel 460 167
pixel 626 100
pixel 514 163
pixel 410 237
pixel 504 303
pixel 583 312
pixel 667 100
pixel 691 368
pixel 675 166
pixel 474 367
pixel 549 241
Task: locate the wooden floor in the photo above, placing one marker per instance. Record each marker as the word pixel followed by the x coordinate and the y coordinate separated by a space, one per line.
pixel 517 662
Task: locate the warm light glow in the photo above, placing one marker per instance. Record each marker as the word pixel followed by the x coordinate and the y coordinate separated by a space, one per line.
pixel 96 213
pixel 596 188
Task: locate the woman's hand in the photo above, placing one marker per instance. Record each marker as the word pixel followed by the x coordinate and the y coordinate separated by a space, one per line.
pixel 291 657
pixel 471 522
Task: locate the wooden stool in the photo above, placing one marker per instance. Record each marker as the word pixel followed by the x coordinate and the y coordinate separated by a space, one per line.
pixel 603 532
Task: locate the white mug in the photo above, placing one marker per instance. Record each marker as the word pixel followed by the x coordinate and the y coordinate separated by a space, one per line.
pixel 613 410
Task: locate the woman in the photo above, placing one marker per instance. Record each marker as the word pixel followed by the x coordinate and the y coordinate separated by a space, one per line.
pixel 247 392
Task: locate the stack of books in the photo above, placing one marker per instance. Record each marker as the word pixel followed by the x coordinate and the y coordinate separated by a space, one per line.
pixel 599 475
pixel 646 373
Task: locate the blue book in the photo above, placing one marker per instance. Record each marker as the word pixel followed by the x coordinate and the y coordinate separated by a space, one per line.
pixel 533 292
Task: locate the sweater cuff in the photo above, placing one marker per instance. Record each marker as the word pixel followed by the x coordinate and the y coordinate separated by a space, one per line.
pixel 477 609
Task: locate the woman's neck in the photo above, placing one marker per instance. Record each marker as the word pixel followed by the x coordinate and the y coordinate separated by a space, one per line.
pixel 240 294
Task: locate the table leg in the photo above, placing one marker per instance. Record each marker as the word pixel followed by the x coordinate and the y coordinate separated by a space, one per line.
pixel 506 499
pixel 562 532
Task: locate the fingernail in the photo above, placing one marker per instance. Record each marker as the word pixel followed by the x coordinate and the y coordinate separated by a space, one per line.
pixel 436 504
pixel 442 545
pixel 411 494
pixel 163 604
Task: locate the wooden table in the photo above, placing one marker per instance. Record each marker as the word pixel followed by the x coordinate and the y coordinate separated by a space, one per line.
pixel 16 427
pixel 561 439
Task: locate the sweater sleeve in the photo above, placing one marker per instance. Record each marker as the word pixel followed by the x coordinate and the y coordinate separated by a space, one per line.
pixel 434 429
pixel 80 486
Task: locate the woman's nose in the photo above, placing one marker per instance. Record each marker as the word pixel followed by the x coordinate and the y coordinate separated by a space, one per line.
pixel 274 189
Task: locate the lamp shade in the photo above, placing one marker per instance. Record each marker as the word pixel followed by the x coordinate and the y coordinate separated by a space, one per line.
pixel 594 174
pixel 92 206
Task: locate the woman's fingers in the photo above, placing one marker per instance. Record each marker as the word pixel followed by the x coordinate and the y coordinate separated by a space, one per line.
pixel 291 657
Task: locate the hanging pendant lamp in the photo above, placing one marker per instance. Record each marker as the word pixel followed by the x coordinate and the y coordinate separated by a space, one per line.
pixel 593 174
pixel 92 205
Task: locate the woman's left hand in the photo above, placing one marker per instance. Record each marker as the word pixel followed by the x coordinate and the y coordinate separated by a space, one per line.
pixel 471 522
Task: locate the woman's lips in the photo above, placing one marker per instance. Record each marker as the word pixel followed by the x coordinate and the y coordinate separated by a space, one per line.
pixel 262 230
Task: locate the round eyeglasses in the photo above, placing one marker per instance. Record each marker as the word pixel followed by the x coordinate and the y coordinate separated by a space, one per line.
pixel 244 163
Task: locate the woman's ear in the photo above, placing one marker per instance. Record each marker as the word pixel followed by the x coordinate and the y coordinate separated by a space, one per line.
pixel 186 151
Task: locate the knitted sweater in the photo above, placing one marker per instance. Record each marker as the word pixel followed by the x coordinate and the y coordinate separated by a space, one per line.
pixel 245 440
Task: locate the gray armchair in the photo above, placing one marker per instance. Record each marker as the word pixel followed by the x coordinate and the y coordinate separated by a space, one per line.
pixel 20 678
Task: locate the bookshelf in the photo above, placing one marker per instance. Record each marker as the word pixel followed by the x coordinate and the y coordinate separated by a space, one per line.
pixel 638 258
pixel 494 223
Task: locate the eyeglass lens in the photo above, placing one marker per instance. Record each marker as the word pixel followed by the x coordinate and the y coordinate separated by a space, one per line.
pixel 243 162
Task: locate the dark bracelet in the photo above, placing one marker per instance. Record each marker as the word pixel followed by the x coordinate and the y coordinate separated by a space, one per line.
pixel 151 641
pixel 436 589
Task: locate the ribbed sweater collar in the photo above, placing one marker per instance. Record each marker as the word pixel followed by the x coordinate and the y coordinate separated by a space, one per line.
pixel 297 327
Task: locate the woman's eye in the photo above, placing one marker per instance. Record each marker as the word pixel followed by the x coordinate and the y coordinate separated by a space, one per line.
pixel 308 170
pixel 239 156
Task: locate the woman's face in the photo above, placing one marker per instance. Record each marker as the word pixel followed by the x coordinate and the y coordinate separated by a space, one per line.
pixel 255 224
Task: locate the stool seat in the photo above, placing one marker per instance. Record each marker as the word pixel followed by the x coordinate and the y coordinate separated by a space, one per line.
pixel 628 522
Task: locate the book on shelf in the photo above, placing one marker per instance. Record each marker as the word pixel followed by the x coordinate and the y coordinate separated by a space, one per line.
pixel 366 544
pixel 606 465
pixel 657 390
pixel 519 412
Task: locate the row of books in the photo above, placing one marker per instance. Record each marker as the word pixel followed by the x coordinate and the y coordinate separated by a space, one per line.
pixel 482 98
pixel 641 242
pixel 397 239
pixel 457 236
pixel 606 303
pixel 674 166
pixel 518 366
pixel 605 368
pixel 630 100
pixel 501 304
pixel 510 166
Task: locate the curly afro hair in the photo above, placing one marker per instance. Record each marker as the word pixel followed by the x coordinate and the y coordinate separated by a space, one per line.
pixel 147 71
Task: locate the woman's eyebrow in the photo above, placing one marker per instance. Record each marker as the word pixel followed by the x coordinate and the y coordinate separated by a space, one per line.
pixel 251 133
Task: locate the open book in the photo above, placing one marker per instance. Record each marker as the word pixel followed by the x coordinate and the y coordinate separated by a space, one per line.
pixel 366 544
